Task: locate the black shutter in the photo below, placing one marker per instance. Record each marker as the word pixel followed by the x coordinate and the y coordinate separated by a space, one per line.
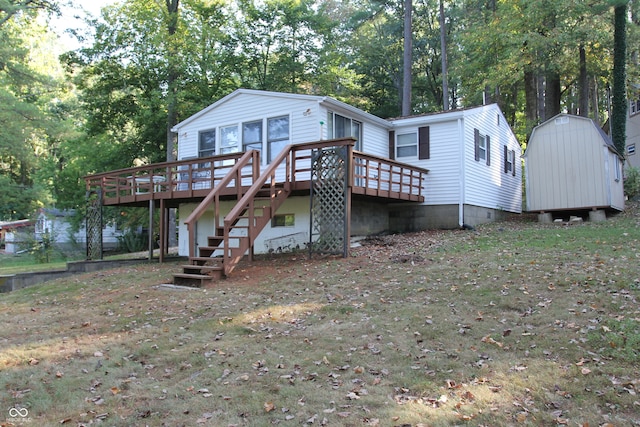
pixel 423 143
pixel 476 143
pixel 506 159
pixel 488 146
pixel 392 144
pixel 513 172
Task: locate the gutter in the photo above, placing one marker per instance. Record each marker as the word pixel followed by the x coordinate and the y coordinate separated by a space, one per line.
pixel 462 175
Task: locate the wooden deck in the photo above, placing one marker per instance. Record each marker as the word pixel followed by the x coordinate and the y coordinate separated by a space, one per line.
pixel 192 180
pixel 258 190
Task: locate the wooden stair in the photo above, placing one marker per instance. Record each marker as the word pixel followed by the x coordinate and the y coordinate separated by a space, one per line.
pixel 228 246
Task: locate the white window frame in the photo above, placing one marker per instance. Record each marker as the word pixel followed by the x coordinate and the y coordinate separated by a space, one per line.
pixel 482 147
pixel 209 151
pixel 276 220
pixel 511 160
pixel 229 145
pixel 354 127
pixel 631 149
pixel 273 141
pixel 406 145
pixel 634 107
pixel 253 145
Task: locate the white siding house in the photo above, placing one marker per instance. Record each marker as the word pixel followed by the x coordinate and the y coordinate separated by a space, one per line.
pixel 632 146
pixel 472 156
pixel 55 224
pixel 474 168
pixel 571 164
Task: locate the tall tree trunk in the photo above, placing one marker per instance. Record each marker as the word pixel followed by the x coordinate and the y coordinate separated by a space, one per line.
pixel 619 113
pixel 408 59
pixel 540 91
pixel 443 48
pixel 531 99
pixel 583 85
pixel 552 94
pixel 173 76
pixel 595 101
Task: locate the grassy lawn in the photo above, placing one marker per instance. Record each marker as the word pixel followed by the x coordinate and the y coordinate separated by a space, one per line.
pixel 13 264
pixel 515 324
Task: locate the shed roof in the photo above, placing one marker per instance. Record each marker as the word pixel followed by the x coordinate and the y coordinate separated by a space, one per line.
pixel 606 139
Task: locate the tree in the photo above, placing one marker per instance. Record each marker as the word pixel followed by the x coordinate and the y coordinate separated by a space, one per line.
pixel 619 113
pixel 28 92
pixel 12 8
pixel 407 59
pixel 443 50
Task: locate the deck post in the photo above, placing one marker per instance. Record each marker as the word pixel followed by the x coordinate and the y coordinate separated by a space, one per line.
pixel 151 230
pixel 347 211
pixel 164 226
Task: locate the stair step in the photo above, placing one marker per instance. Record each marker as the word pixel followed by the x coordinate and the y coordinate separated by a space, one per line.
pixel 214 241
pixel 193 267
pixel 209 248
pixel 203 260
pixel 196 280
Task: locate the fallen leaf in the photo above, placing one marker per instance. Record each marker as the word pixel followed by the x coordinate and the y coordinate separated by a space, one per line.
pixel 269 406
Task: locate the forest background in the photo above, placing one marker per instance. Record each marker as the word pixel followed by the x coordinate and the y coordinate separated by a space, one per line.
pixel 144 65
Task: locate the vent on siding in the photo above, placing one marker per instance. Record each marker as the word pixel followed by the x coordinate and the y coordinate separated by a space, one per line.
pixel 562 120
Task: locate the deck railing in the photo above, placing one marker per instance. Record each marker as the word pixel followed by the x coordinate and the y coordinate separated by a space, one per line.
pixel 194 178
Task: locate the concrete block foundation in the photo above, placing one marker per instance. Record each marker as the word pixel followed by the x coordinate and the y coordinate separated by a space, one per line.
pixel 597 216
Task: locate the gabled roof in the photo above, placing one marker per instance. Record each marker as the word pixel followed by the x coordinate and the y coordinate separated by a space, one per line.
pixel 10 225
pixel 605 138
pixel 324 100
pixel 440 115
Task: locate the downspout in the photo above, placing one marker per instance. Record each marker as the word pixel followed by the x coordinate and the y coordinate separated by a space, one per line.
pixel 462 175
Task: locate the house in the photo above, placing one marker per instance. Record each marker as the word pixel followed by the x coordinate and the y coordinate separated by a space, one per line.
pixel 9 231
pixel 55 224
pixel 268 171
pixel 633 131
pixel 474 162
pixel 571 165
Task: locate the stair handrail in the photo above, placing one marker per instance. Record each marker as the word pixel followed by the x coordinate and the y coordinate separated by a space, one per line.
pixel 249 195
pixel 287 154
pixel 234 173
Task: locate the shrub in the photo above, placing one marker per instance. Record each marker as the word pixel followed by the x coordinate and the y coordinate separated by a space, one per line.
pixel 632 182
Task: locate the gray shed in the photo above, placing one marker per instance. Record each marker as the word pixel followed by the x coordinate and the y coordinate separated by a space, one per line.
pixel 571 165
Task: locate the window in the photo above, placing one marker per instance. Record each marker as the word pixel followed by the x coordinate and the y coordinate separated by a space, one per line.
pixel 616 165
pixel 407 145
pixel 631 149
pixel 207 143
pixel 482 147
pixel 228 139
pixel 277 135
pixel 339 127
pixel 509 161
pixel 252 136
pixel 284 220
pixel 634 107
pixel 41 226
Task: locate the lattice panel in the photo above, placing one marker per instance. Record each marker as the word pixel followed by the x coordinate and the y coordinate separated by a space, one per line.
pixel 94 225
pixel 329 201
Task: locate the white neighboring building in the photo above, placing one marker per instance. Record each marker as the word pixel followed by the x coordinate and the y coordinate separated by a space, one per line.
pixel 55 222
